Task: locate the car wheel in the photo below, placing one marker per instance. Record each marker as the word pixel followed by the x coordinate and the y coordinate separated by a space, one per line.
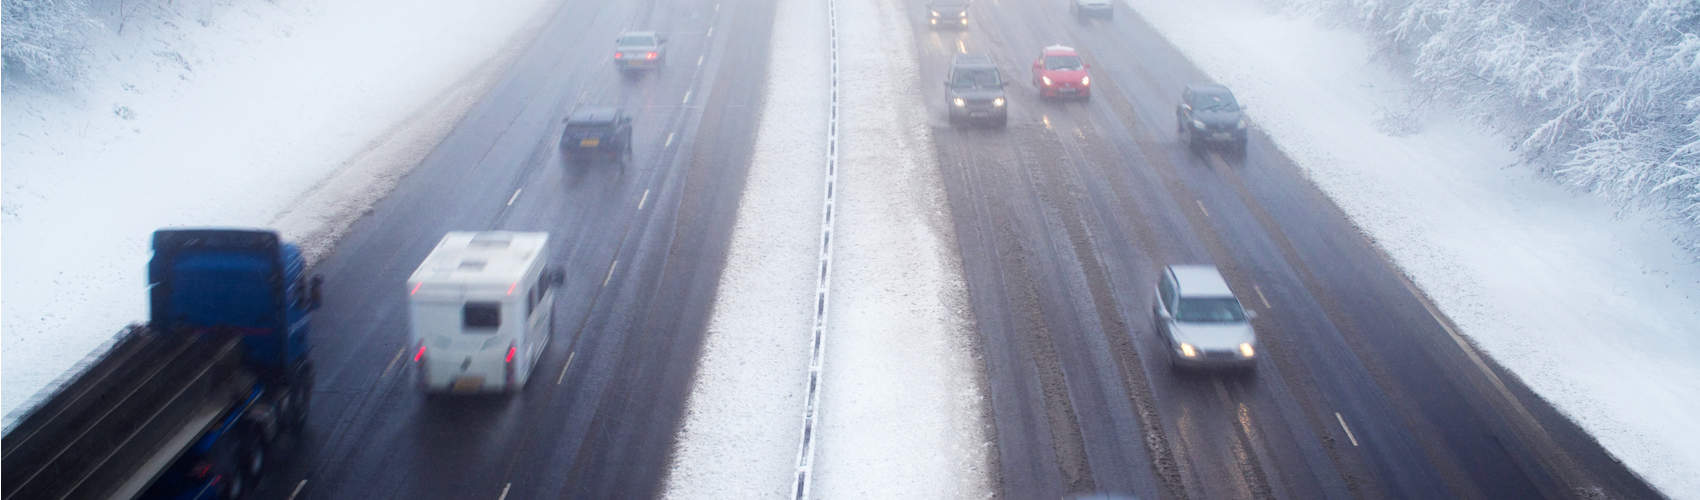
pixel 1003 121
pixel 953 120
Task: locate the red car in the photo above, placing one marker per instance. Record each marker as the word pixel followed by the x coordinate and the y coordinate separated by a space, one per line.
pixel 1059 72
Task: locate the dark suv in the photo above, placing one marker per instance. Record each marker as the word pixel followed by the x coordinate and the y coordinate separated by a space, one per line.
pixel 974 91
pixel 597 132
pixel 1208 115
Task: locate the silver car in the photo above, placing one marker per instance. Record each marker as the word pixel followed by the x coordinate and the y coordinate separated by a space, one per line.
pixel 1201 322
pixel 640 50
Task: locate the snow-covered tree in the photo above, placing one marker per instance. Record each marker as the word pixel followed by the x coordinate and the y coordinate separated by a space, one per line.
pixel 1604 95
pixel 43 39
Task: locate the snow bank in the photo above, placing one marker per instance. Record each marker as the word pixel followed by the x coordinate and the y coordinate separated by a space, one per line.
pixel 739 438
pixel 296 115
pixel 1599 314
pixel 901 404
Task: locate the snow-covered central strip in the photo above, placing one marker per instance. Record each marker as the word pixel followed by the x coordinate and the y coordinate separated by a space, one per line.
pixel 823 284
pixel 739 435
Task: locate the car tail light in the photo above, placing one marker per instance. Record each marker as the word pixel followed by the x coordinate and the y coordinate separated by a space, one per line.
pixel 421 354
pixel 650 56
pixel 618 55
pixel 511 350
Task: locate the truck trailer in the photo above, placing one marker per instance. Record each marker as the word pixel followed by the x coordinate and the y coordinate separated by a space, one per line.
pixel 190 404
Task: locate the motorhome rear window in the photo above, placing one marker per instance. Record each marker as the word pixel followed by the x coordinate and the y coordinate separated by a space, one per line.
pixel 482 315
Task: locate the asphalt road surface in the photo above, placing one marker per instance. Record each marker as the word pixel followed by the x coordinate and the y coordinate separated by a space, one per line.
pixel 642 246
pixel 1066 218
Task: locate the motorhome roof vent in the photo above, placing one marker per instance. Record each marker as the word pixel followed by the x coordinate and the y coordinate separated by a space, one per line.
pixel 472 265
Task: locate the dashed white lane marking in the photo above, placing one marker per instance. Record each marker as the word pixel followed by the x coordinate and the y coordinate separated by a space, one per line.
pixel 397 357
pixel 505 491
pixel 563 375
pixel 298 487
pixel 699 59
pixel 669 140
pixel 611 272
pixel 1261 297
pixel 710 31
pixel 717 7
pixel 687 99
pixel 961 48
pixel 1201 207
pixel 514 197
pixel 1348 429
pixel 645 198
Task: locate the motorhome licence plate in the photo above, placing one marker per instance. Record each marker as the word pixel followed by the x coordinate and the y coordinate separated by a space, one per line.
pixel 467 384
pixel 589 143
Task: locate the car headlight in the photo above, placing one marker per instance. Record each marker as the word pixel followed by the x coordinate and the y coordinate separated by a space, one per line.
pixel 965 19
pixel 1085 80
pixel 997 102
pixel 1246 350
pixel 935 13
pixel 959 102
pixel 1198 123
pixel 1045 79
pixel 962 14
pixel 1188 351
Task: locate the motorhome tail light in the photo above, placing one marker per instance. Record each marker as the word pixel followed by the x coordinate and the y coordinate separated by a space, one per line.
pixel 416 288
pixel 650 56
pixel 511 288
pixel 421 354
pixel 618 55
pixel 511 350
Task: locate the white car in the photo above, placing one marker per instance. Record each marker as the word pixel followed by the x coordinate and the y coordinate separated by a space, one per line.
pixel 1201 321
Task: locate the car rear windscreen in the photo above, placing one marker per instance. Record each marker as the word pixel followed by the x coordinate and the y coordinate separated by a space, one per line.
pixel 481 317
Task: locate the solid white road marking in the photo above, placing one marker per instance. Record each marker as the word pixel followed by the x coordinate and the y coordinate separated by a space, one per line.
pixel 514 197
pixel 699 59
pixel 1201 207
pixel 1348 429
pixel 611 272
pixel 397 357
pixel 564 368
pixel 669 140
pixel 643 199
pixel 1261 297
pixel 298 487
pixel 687 98
pixel 505 491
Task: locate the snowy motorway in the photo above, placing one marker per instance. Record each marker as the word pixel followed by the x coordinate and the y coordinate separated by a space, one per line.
pixel 806 283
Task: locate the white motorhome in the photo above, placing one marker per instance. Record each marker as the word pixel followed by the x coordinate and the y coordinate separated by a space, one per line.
pixel 479 311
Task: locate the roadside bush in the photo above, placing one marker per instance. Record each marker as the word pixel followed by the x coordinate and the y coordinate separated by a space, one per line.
pixel 42 40
pixel 1602 95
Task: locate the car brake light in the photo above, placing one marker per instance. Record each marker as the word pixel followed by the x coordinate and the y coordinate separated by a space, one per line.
pixel 651 55
pixel 421 354
pixel 618 55
pixel 511 288
pixel 511 350
pixel 416 288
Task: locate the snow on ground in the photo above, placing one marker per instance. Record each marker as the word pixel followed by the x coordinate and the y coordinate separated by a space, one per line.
pixel 901 413
pixel 739 437
pixel 1599 314
pixel 296 115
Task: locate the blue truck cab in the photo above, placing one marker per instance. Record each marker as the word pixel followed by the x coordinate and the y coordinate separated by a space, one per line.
pixel 189 405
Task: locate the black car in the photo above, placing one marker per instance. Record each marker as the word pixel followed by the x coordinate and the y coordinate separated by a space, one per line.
pixel 597 132
pixel 1209 116
pixel 947 14
pixel 974 91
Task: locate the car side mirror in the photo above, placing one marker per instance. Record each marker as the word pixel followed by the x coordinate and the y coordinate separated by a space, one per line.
pixel 313 295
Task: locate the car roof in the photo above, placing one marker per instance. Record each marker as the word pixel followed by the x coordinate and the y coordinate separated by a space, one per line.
pixel 637 33
pixel 948 3
pixel 1060 50
pixel 1208 88
pixel 1200 281
pixel 972 61
pixel 594 114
